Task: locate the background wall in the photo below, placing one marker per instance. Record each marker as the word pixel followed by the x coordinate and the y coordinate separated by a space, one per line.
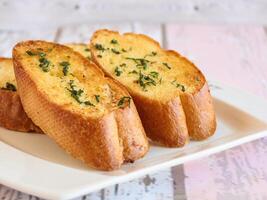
pixel 16 14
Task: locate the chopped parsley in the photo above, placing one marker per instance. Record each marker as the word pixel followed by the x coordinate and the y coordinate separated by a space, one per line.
pixel 113 41
pixel 44 64
pixel 133 72
pixel 124 100
pixel 140 62
pixel 166 65
pixel 145 80
pixel 123 65
pixel 9 86
pixel 97 98
pixel 115 51
pixel 99 47
pixel 30 53
pixel 65 66
pixel 154 74
pixel 123 50
pixel 86 49
pixel 178 85
pixel 118 71
pixel 77 93
pixel 99 56
pixel 153 53
pixel 88 103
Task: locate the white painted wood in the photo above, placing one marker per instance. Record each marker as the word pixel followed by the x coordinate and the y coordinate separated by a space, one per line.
pixel 82 33
pixel 8 38
pixel 154 30
pixel 43 13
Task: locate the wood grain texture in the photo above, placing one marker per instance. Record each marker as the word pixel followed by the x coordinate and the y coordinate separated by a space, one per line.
pixel 8 38
pixel 235 55
pixel 59 12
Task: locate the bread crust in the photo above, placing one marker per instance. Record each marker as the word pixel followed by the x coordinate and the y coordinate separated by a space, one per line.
pixel 190 115
pixel 103 143
pixel 12 114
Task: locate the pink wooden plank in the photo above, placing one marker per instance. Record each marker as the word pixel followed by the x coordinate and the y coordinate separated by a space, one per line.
pixel 235 55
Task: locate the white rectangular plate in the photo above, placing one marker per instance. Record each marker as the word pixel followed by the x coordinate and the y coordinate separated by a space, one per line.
pixel 34 164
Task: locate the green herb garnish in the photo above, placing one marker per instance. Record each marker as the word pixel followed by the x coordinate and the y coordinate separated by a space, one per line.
pixel 154 74
pixel 113 41
pixel 9 86
pixel 65 66
pixel 86 49
pixel 145 80
pixel 140 62
pixel 99 56
pixel 178 85
pixel 97 98
pixel 115 51
pixel 118 71
pixel 44 64
pixel 133 72
pixel 166 65
pixel 123 50
pixel 123 65
pixel 153 53
pixel 124 100
pixel 88 103
pixel 77 93
pixel 30 53
pixel 99 47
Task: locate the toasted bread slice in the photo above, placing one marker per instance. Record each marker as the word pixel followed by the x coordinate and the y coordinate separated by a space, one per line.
pixel 12 115
pixel 90 116
pixel 81 48
pixel 170 93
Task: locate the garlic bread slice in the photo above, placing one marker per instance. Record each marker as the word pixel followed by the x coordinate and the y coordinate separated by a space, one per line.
pixel 12 115
pixel 90 116
pixel 170 93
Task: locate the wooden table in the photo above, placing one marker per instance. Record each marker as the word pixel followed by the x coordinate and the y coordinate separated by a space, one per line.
pixel 233 54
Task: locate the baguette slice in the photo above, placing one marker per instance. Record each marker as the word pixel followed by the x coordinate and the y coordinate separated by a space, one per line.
pixel 90 116
pixel 170 93
pixel 81 48
pixel 12 115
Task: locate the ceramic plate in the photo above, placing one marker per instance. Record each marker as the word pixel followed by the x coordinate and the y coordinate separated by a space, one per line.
pixel 33 163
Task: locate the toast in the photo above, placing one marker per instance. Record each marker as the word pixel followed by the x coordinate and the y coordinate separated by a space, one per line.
pixel 171 94
pixel 89 115
pixel 12 115
pixel 81 48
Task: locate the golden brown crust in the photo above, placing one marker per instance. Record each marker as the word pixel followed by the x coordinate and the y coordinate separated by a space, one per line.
pixel 12 114
pixel 200 115
pixel 165 123
pixel 172 123
pixel 103 143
